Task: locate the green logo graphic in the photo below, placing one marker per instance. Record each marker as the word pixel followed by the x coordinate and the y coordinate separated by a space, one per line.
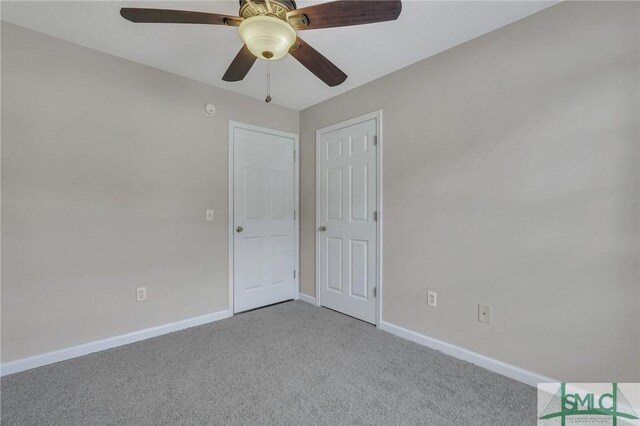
pixel 565 404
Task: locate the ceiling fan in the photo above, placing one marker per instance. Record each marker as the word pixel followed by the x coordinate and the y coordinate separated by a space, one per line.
pixel 269 29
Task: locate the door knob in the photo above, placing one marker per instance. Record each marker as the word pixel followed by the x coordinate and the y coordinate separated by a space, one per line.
pixel 322 228
pixel 239 229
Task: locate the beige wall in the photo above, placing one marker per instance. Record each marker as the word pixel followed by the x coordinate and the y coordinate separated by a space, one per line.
pixel 107 169
pixel 511 178
pixel 511 167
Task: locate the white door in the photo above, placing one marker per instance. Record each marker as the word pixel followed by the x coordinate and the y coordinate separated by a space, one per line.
pixel 347 228
pixel 263 219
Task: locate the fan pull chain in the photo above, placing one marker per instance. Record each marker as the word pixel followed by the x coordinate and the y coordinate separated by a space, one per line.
pixel 268 98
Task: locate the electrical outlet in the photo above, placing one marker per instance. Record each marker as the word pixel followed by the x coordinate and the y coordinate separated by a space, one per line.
pixel 484 313
pixel 209 215
pixel 432 298
pixel 141 294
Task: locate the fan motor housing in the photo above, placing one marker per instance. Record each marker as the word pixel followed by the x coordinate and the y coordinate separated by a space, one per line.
pixel 279 8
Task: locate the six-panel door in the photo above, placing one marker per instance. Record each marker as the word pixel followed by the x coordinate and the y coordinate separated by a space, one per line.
pixel 263 222
pixel 347 232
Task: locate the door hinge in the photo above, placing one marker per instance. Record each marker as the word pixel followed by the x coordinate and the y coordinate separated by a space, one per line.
pixel 375 292
pixel 294 274
pixel 375 216
pixel 294 215
pixel 375 140
pixel 294 155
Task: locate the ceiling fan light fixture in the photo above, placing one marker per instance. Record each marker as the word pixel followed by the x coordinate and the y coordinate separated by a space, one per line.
pixel 267 37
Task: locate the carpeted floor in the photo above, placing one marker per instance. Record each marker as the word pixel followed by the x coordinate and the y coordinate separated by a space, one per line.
pixel 292 364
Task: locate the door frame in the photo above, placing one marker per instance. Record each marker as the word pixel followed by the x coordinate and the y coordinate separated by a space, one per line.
pixel 296 201
pixel 377 115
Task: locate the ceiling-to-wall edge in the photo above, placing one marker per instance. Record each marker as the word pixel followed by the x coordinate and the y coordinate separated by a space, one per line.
pixel 226 92
pixel 202 53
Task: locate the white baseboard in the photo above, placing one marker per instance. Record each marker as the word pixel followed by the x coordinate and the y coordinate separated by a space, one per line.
pixel 491 364
pixel 307 298
pixel 111 342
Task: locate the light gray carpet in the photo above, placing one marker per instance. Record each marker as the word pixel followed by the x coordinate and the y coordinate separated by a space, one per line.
pixel 292 364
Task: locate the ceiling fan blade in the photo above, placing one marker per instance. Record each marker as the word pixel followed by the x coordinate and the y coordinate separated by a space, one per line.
pixel 313 60
pixel 166 16
pixel 240 66
pixel 344 12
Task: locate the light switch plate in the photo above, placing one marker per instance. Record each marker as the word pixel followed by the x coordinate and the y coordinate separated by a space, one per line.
pixel 484 313
pixel 209 215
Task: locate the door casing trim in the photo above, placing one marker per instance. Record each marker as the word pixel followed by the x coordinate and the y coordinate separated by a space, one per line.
pixel 296 201
pixel 377 115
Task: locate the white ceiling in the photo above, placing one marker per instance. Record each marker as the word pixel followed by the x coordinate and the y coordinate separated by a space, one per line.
pixel 204 52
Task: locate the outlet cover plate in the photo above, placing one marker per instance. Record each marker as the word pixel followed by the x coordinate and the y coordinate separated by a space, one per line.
pixel 141 294
pixel 432 298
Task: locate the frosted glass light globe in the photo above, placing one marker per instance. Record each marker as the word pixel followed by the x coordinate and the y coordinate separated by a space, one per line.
pixel 267 37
